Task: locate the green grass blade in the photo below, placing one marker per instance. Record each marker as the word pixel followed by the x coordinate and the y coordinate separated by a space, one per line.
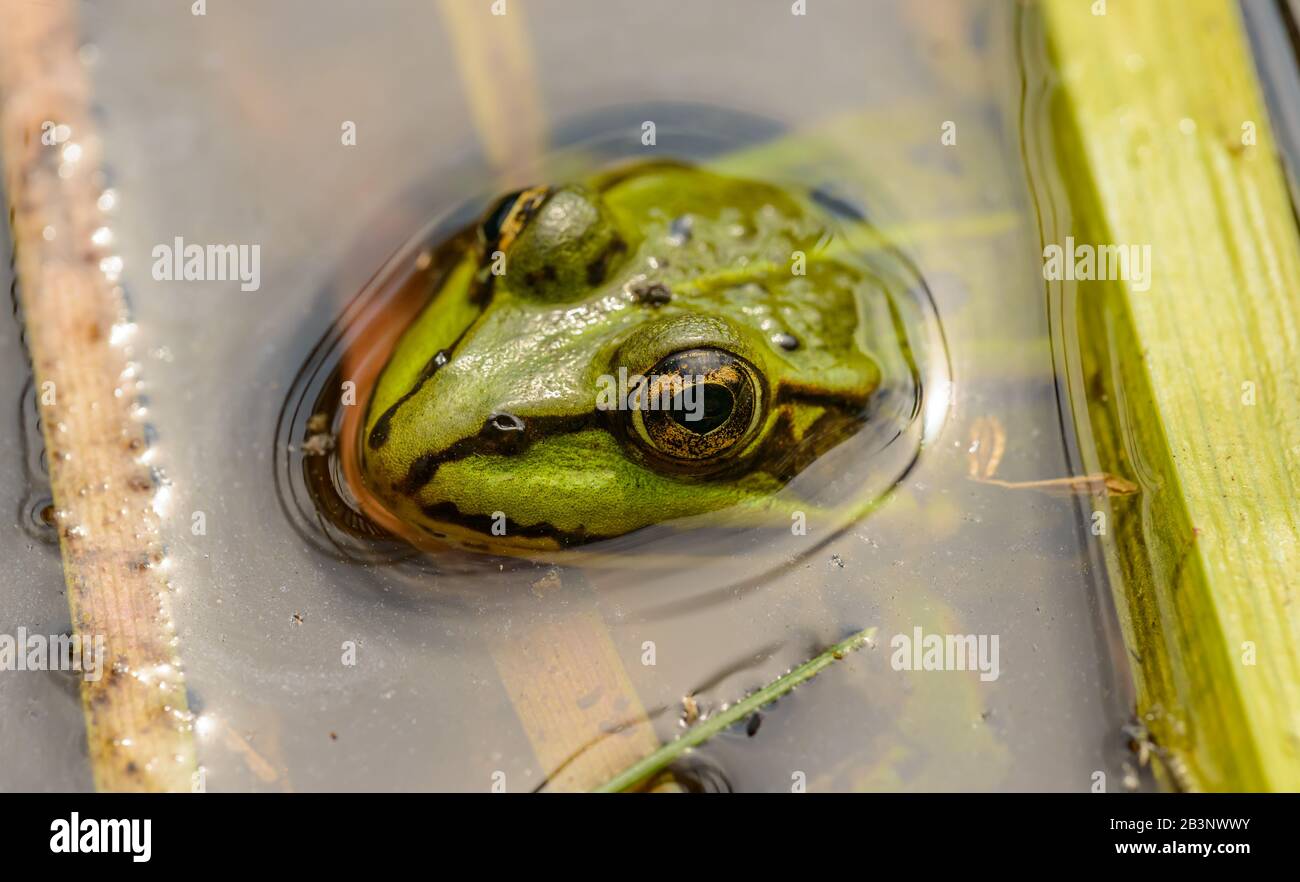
pixel 656 762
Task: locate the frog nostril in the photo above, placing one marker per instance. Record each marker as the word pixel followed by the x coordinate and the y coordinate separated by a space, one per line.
pixel 505 422
pixel 440 358
pixel 502 435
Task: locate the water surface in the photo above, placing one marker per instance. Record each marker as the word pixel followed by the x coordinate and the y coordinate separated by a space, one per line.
pixel 226 129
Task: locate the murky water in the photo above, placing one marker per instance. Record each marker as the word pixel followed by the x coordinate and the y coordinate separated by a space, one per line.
pixel 226 129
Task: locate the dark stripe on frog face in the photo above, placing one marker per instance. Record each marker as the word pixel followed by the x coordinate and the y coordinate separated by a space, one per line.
pixel 379 432
pixel 492 440
pixel 447 512
pixel 382 427
pixel 779 457
pixel 783 458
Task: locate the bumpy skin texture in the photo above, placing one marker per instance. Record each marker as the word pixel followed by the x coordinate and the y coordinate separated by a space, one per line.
pixel 623 271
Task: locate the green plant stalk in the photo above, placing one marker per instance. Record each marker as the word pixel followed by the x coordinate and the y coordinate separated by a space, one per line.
pixel 656 762
pixel 1162 140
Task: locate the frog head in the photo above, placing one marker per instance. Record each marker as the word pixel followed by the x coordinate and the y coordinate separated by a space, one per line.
pixel 650 344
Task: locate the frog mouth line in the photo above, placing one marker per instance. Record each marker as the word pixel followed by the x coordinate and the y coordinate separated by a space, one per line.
pixel 449 512
pixel 379 433
pixel 837 423
pixel 378 436
pixel 492 440
pixel 842 417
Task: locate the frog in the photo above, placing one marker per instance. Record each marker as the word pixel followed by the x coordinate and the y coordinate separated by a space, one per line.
pixel 645 345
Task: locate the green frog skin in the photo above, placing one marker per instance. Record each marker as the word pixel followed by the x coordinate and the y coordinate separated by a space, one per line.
pixel 492 427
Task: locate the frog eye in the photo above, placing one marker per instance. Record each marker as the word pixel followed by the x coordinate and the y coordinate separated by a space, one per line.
pixel 696 407
pixel 490 229
pixel 508 215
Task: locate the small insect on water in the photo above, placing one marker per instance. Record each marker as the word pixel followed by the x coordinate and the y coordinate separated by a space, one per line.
pixel 690 710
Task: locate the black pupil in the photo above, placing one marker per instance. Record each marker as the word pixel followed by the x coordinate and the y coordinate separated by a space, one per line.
pixel 497 216
pixel 718 402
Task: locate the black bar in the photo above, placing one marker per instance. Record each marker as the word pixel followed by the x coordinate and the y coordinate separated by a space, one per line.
pixel 300 832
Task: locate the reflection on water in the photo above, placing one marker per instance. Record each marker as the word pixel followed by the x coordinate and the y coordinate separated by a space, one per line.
pixel 321 656
pixel 36 511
